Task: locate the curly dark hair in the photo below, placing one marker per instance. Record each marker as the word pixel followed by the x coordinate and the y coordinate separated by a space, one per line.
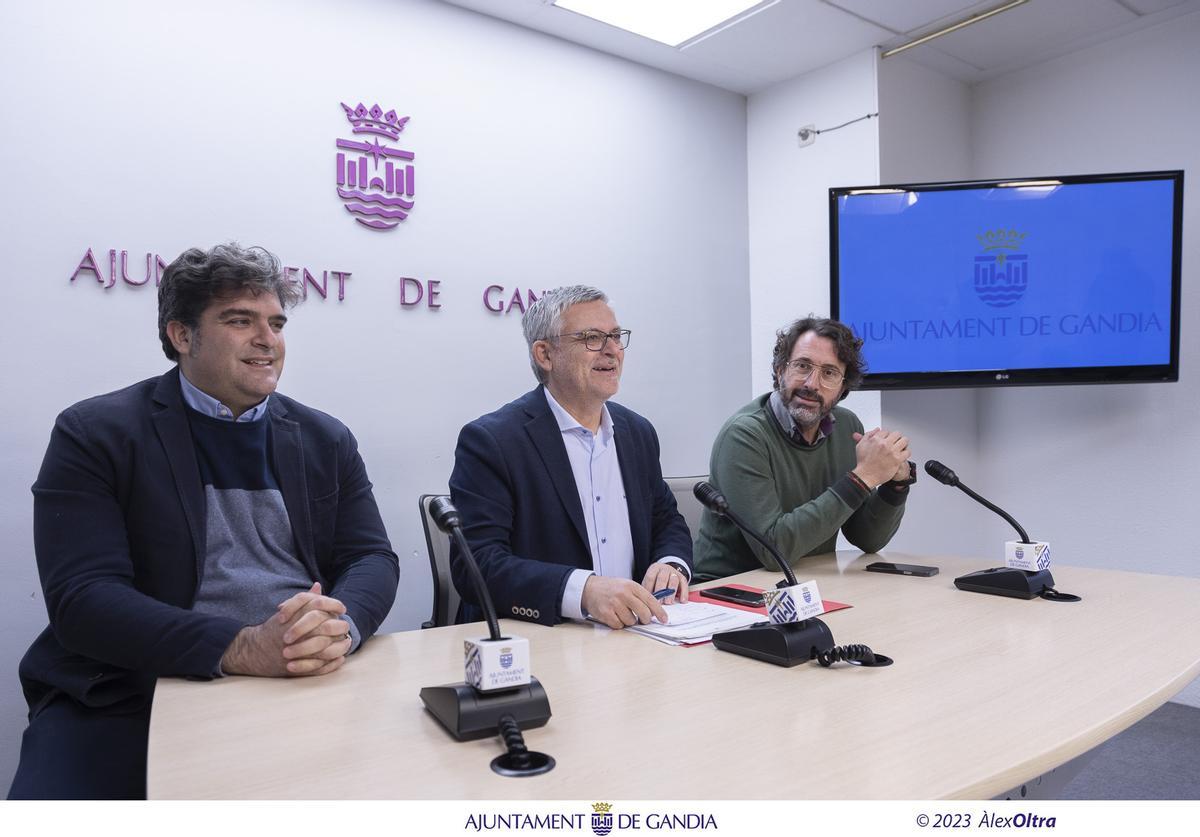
pixel 196 278
pixel 846 344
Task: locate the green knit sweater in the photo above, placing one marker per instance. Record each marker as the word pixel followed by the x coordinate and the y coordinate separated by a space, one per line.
pixel 796 496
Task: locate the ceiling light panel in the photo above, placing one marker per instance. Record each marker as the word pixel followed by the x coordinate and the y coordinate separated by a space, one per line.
pixel 671 22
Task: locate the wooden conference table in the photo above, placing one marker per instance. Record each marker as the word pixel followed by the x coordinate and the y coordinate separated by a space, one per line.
pixel 986 693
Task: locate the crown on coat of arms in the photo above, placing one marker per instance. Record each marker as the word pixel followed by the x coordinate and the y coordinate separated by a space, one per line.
pixel 374 120
pixel 1001 239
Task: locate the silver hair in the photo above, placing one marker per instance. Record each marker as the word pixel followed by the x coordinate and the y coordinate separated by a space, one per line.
pixel 543 320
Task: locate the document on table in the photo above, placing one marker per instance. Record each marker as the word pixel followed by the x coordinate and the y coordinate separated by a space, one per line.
pixel 693 622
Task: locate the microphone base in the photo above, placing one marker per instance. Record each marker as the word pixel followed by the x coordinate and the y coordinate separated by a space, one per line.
pixel 1004 581
pixel 788 644
pixel 467 713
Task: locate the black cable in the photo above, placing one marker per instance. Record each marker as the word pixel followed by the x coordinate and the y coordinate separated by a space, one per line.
pixel 514 742
pixel 518 761
pixel 850 653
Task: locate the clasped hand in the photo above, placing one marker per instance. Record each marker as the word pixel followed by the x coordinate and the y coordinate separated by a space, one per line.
pixel 882 456
pixel 306 637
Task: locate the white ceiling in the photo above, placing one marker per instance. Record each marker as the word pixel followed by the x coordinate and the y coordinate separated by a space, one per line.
pixel 788 38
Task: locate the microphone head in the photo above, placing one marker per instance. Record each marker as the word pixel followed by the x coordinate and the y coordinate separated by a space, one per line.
pixel 444 514
pixel 712 499
pixel 941 473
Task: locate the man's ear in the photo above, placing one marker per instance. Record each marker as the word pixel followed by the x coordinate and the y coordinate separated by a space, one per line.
pixel 180 336
pixel 541 354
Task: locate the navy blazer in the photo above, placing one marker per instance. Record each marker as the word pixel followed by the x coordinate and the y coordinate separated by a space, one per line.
pixel 119 531
pixel 521 512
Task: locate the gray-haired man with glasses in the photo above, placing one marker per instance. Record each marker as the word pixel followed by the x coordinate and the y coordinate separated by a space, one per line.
pixel 561 493
pixel 799 468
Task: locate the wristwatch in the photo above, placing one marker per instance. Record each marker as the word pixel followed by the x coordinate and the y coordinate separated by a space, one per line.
pixel 912 477
pixel 679 568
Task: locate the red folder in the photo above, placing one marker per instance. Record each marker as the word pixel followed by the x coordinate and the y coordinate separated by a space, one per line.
pixel 698 595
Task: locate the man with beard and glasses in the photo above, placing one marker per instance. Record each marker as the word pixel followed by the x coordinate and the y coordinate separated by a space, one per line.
pixel 798 468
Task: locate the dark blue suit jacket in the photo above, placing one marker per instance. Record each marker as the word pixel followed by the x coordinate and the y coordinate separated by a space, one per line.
pixel 119 531
pixel 522 515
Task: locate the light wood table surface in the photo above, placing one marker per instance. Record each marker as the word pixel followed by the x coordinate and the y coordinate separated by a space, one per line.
pixel 986 693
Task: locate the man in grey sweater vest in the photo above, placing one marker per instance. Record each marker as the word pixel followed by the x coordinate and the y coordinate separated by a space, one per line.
pixel 197 524
pixel 798 468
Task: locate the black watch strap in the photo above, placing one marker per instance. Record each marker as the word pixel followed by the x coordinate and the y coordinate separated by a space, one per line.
pixel 912 477
pixel 679 568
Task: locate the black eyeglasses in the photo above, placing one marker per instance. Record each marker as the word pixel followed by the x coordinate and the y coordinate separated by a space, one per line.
pixel 594 341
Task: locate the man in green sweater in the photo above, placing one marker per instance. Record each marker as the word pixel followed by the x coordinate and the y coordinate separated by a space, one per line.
pixel 797 468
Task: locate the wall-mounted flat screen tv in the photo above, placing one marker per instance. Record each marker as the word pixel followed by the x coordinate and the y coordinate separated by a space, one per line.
pixel 1047 280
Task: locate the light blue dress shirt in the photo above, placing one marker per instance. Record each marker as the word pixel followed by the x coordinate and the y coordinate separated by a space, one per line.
pixel 206 405
pixel 597 473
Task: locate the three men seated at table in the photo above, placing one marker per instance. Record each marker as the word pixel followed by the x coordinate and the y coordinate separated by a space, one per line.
pixel 200 524
pixel 195 524
pixel 561 493
pixel 797 467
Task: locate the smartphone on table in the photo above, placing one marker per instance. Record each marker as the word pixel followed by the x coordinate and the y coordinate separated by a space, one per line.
pixel 901 569
pixel 733 595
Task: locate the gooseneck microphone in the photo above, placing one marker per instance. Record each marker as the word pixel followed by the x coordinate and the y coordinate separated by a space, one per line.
pixel 502 696
pixel 1002 581
pixel 787 643
pixel 945 476
pixel 715 502
pixel 445 515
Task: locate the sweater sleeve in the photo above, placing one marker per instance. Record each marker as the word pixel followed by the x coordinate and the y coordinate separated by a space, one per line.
pixel 873 525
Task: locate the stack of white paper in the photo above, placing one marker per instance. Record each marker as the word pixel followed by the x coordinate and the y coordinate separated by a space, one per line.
pixel 693 622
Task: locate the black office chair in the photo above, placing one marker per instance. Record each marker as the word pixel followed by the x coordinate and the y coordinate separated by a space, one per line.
pixel 437 543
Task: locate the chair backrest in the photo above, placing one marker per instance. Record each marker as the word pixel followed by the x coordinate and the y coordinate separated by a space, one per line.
pixel 688 505
pixel 437 542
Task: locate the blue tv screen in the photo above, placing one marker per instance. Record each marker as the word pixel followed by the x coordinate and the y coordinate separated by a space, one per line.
pixel 1049 280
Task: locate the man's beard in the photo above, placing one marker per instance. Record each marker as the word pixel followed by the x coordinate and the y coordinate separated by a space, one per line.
pixel 806 417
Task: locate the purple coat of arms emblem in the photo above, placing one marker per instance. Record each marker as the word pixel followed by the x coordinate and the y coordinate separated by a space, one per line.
pixel 378 196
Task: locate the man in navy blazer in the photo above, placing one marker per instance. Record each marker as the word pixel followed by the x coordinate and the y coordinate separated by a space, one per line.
pixel 187 526
pixel 561 492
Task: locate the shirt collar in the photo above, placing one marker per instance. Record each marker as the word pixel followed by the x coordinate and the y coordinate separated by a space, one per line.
pixel 567 422
pixel 791 429
pixel 206 405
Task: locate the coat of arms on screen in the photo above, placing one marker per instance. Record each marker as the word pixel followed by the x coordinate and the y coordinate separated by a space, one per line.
pixel 1001 273
pixel 374 178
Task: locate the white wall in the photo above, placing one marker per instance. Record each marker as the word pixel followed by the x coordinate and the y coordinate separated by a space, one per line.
pixel 157 126
pixel 1116 464
pixel 924 136
pixel 789 205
